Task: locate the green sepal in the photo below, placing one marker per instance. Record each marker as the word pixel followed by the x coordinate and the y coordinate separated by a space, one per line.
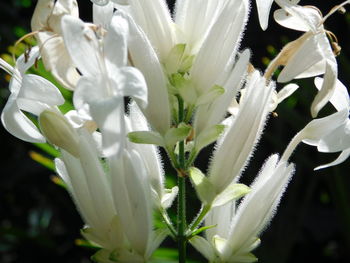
pixel 174 135
pixel 174 59
pixel 232 192
pixel 183 86
pixel 200 230
pixel 208 136
pixel 146 137
pixel 204 188
pixel 211 95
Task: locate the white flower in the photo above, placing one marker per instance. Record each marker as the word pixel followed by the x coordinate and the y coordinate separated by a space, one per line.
pixel 30 93
pixel 202 47
pixel 115 202
pixel 234 150
pixel 236 233
pixel 339 138
pixel 106 78
pixel 46 22
pixel 151 158
pixel 309 55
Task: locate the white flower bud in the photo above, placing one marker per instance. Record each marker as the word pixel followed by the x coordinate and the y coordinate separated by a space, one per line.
pixel 59 131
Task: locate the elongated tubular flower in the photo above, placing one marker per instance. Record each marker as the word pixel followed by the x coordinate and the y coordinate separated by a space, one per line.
pixel 144 58
pixel 30 93
pixel 232 154
pixel 46 23
pixel 212 37
pixel 116 205
pixel 151 157
pixel 251 218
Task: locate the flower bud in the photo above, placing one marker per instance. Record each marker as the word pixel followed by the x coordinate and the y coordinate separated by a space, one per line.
pixel 59 131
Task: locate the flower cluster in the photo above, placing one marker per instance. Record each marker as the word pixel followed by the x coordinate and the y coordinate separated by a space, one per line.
pixel 187 84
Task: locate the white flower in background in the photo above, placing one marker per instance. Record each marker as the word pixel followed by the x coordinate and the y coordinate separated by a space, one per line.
pixel 309 55
pixel 30 93
pixel 339 138
pixel 236 233
pixel 105 77
pixel 46 22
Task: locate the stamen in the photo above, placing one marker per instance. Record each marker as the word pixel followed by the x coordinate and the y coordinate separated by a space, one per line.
pixel 19 41
pixel 334 42
pixel 335 9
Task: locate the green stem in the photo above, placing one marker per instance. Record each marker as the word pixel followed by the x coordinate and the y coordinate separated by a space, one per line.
pixel 181 213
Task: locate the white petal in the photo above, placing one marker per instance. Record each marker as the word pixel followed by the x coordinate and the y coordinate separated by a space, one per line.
pixel 208 115
pixel 195 27
pixel 38 89
pixel 204 247
pixel 253 215
pixel 301 18
pixel 156 239
pixel 341 158
pixel 286 91
pixel 264 7
pixel 242 135
pixel 311 52
pixel 315 130
pixel 57 60
pixel 80 191
pixel 220 45
pixel 27 60
pixel 220 217
pixel 130 82
pixel 306 15
pixel 98 185
pixel 149 153
pixel 337 140
pixel 82 45
pixel 116 37
pixel 340 98
pixel 132 196
pixel 327 89
pixel 16 123
pixel 145 59
pixel 154 18
pixel 109 116
pixel 102 15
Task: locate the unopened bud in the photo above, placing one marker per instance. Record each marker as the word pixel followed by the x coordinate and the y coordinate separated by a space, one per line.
pixel 59 131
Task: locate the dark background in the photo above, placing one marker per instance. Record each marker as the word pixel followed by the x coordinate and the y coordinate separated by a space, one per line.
pixel 38 221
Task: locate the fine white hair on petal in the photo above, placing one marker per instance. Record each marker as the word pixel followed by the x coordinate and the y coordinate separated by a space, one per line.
pixel 242 135
pixel 252 215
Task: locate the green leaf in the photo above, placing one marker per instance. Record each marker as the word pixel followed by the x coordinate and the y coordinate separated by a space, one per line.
pixel 39 158
pixel 47 148
pixel 204 188
pixel 146 137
